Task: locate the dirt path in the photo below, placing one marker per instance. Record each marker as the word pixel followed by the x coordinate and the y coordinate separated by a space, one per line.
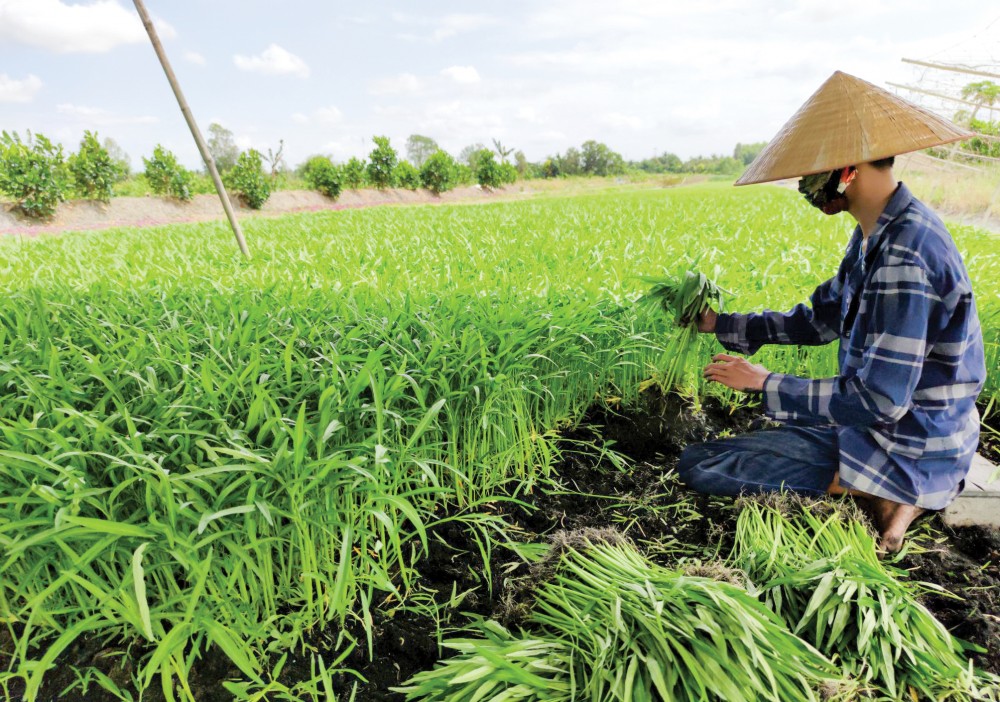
pixel 86 215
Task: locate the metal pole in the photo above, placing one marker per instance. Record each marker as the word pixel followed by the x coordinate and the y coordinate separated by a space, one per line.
pixel 193 126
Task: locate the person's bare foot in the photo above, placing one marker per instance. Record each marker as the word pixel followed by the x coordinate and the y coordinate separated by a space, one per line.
pixel 893 519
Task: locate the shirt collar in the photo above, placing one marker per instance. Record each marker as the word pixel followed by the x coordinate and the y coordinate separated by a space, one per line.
pixel 897 204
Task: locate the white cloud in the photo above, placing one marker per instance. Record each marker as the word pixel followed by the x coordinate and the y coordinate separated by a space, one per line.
pixel 328 115
pixel 462 74
pixel 57 26
pixel 194 57
pixel 403 83
pixel 528 114
pixel 273 61
pixel 325 116
pixel 13 90
pixel 335 148
pixel 452 25
pixel 98 117
pixel 437 29
pixel 620 121
pixel 553 135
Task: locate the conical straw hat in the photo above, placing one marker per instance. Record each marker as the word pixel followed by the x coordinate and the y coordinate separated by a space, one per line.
pixel 846 122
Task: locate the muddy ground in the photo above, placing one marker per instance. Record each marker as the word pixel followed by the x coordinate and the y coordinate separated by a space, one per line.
pixel 590 490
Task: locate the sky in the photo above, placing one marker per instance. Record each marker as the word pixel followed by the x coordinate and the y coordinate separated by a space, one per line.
pixel 643 76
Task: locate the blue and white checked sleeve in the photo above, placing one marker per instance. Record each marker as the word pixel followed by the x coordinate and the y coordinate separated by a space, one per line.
pixel 901 299
pixel 803 325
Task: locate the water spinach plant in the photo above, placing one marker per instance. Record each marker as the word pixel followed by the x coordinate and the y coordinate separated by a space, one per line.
pixel 204 454
pixel 817 565
pixel 609 624
pixel 685 297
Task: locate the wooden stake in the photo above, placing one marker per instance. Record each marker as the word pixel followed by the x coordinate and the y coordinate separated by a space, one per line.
pixel 193 126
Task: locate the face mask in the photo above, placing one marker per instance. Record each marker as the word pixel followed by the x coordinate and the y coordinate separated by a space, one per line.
pixel 825 191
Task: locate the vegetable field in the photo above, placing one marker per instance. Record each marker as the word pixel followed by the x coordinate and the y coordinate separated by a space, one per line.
pixel 232 480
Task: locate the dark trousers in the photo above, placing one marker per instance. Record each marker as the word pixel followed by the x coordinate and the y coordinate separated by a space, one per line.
pixel 795 458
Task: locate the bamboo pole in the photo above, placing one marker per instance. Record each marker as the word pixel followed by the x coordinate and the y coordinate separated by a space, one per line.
pixel 193 126
pixel 956 69
pixel 943 96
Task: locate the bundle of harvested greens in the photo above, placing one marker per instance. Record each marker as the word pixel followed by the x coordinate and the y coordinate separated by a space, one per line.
pixel 685 297
pixel 500 666
pixel 610 625
pixel 818 568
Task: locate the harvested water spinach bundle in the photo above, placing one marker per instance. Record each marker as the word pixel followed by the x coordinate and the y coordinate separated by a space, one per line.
pixel 684 296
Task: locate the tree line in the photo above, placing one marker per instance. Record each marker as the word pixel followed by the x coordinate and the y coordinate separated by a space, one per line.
pixel 37 174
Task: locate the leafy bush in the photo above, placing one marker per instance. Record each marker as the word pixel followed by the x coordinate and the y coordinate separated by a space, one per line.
pixel 312 164
pixel 354 173
pixel 321 174
pixel 407 176
pixel 488 173
pixel 94 171
pixel 465 175
pixel 439 172
pixel 381 163
pixel 248 179
pixel 166 176
pixel 33 173
pixel 508 173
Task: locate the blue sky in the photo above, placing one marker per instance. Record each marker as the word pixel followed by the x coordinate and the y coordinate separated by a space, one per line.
pixel 643 76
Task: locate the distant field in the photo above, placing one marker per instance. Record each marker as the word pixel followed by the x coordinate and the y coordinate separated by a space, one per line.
pixel 200 451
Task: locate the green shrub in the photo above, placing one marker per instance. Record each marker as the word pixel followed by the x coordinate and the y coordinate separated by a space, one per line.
pixel 381 163
pixel 354 173
pixel 508 173
pixel 407 176
pixel 464 174
pixel 248 179
pixel 312 164
pixel 550 169
pixel 322 175
pixel 33 173
pixel 488 172
pixel 166 176
pixel 94 171
pixel 439 172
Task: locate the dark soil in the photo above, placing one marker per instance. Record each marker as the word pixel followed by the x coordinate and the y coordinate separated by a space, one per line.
pixel 633 493
pixel 989 437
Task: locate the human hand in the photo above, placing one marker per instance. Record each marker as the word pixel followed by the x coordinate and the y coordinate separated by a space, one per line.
pixel 706 321
pixel 736 372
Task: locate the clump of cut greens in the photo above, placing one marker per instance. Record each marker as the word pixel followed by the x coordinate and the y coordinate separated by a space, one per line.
pixel 634 630
pixel 684 297
pixel 498 666
pixel 818 568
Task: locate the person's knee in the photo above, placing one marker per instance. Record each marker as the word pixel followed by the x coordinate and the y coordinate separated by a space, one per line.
pixel 690 468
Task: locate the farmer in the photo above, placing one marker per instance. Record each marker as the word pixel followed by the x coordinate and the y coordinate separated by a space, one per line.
pixel 898 426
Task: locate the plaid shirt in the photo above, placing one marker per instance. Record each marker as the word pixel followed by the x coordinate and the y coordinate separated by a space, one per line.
pixel 911 359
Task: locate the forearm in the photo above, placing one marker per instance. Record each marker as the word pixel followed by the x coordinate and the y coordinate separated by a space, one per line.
pixel 846 402
pixel 746 333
